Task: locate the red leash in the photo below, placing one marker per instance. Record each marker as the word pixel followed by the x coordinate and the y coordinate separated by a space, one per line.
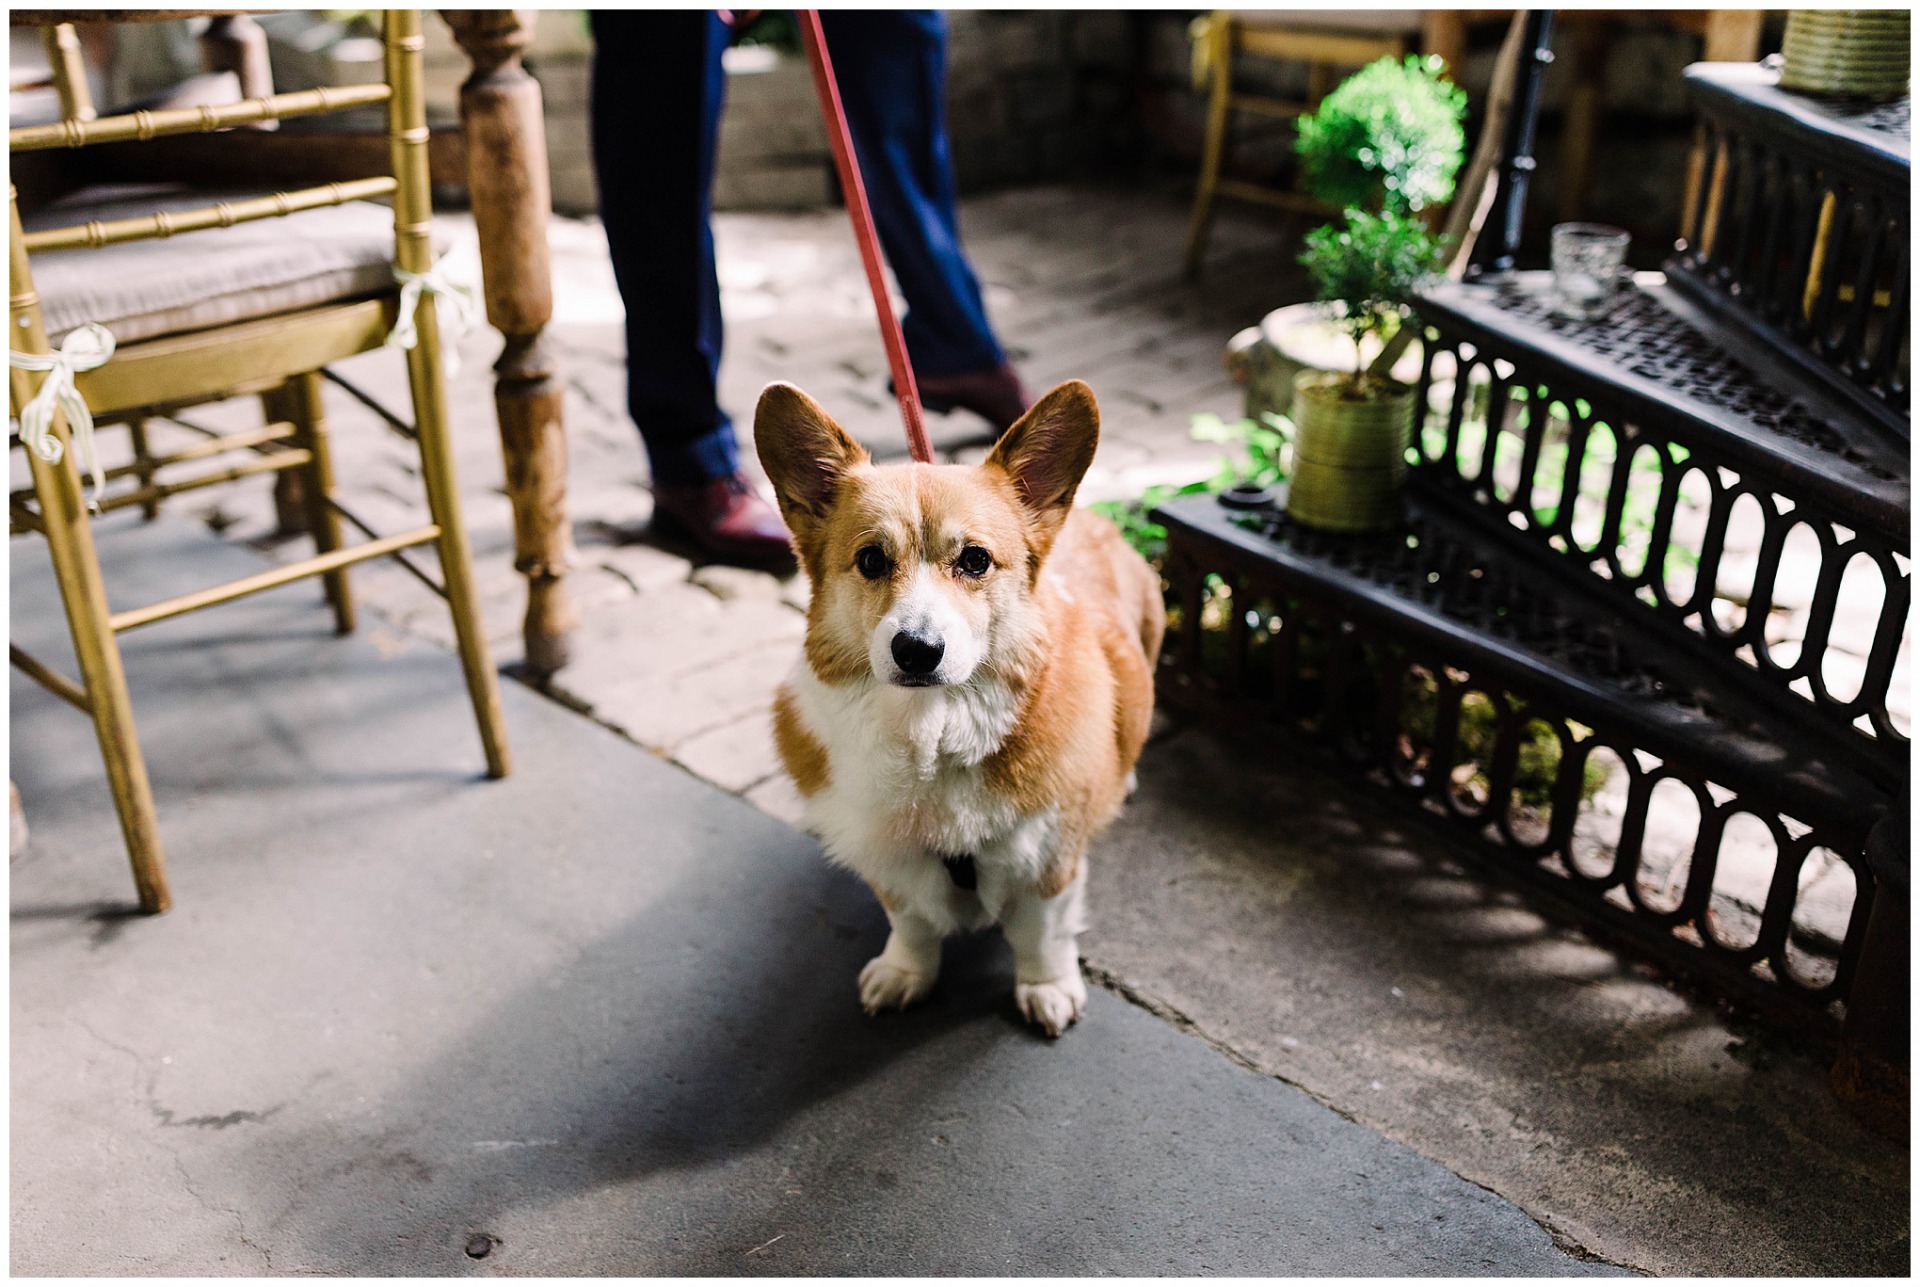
pixel 835 117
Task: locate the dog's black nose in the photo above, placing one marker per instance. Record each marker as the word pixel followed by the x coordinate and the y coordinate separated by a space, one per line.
pixel 917 656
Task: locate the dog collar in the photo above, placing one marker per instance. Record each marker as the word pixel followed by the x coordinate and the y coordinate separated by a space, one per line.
pixel 960 868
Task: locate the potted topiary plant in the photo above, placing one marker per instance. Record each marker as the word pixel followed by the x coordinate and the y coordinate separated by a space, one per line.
pixel 1389 138
pixel 1351 429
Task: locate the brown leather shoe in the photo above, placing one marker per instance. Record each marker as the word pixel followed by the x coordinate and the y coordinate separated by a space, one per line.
pixel 725 519
pixel 996 396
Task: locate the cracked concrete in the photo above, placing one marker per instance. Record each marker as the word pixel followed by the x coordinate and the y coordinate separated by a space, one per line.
pixel 598 1018
pixel 146 1073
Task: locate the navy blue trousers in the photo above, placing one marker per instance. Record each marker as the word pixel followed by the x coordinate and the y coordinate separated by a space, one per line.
pixel 658 90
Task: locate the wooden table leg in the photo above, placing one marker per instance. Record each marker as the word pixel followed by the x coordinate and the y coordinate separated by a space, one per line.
pixel 500 112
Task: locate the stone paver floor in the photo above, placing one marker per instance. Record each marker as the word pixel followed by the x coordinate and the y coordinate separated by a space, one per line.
pixel 683 658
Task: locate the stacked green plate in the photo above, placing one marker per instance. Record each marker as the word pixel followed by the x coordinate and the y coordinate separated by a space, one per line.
pixel 1847 51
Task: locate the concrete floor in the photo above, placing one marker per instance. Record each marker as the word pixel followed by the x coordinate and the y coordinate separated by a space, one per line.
pixel 1265 909
pixel 596 1019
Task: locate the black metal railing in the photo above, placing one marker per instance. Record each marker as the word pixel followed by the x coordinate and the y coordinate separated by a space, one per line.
pixel 1576 437
pixel 1583 757
pixel 1639 639
pixel 1581 761
pixel 1800 229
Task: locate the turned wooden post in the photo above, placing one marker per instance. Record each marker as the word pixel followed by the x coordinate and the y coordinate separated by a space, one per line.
pixel 506 144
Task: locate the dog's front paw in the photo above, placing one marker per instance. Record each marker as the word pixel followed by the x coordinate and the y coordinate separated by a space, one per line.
pixel 1053 1005
pixel 886 985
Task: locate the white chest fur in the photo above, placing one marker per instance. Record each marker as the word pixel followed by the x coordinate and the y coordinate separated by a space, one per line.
pixel 907 785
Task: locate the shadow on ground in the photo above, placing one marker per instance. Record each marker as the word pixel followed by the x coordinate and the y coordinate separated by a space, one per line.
pixel 1291 918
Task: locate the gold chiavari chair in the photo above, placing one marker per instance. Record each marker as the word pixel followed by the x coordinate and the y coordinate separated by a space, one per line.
pixel 1324 40
pixel 276 347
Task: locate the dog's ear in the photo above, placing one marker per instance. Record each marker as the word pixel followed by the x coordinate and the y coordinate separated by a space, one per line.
pixel 804 452
pixel 1047 451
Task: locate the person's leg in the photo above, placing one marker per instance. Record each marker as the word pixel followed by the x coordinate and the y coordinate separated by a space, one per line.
pixel 657 93
pixel 891 67
pixel 658 87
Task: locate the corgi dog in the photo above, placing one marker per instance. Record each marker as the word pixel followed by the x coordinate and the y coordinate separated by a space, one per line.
pixel 975 688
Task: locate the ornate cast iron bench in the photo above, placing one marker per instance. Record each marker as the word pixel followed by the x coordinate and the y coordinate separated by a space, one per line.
pixel 1602 517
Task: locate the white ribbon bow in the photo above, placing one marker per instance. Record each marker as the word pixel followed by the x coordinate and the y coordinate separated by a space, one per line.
pixel 462 312
pixel 86 347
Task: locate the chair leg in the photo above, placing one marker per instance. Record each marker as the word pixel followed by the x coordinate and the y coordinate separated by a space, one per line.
pixel 308 413
pixel 456 567
pixel 289 486
pixel 76 566
pixel 1219 113
pixel 1583 115
pixel 413 250
pixel 142 466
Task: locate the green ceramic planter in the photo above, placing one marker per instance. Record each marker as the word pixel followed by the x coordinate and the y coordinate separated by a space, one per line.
pixel 1349 457
pixel 1847 51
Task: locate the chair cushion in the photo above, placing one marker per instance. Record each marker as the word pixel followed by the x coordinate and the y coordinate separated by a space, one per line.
pixel 141 290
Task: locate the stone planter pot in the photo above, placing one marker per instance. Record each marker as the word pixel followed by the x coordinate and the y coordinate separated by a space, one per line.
pixel 1300 337
pixel 1349 456
pixel 1847 51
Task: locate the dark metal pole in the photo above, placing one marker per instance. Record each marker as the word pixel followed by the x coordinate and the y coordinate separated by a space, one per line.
pixel 1496 254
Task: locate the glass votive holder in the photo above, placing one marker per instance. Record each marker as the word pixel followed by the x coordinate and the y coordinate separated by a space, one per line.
pixel 1587 259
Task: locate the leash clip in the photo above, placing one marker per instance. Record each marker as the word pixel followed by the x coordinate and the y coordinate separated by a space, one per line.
pixel 961 869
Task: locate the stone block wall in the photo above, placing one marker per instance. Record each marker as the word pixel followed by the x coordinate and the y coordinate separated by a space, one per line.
pixel 1038 95
pixel 773 146
pixel 1032 96
pixel 1044 95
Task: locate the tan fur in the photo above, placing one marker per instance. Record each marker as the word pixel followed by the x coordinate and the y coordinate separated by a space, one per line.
pixel 800 751
pixel 1089 704
pixel 1088 682
pixel 1071 615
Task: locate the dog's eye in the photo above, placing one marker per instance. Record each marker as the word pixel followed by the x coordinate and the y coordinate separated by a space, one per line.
pixel 873 562
pixel 974 560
